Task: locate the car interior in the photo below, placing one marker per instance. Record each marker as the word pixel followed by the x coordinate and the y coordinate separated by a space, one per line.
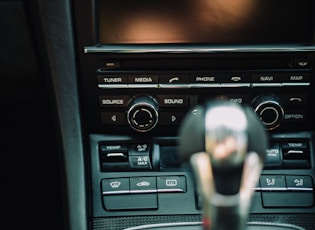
pixel 159 114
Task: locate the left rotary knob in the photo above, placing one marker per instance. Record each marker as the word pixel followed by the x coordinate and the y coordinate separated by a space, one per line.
pixel 142 113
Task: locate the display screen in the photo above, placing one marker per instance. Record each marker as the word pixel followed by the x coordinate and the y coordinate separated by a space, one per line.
pixel 204 21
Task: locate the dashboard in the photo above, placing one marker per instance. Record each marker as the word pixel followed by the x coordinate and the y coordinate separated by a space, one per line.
pixel 144 68
pixel 122 76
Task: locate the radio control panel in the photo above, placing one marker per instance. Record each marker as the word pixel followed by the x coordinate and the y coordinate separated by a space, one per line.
pixel 155 100
pixel 148 95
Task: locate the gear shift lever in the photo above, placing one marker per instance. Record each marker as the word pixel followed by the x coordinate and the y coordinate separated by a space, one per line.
pixel 226 145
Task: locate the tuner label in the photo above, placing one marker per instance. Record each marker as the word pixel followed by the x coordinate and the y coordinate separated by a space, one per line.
pixel 101 79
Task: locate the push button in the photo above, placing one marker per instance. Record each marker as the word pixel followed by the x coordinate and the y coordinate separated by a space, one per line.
pixel 143 185
pixel 114 101
pixel 294 99
pixel 296 78
pixel 115 186
pixel 174 81
pixel 173 100
pixel 113 153
pixel 273 183
pixel 171 184
pixel 300 183
pixel 143 79
pixel 114 118
pixel 296 154
pixel 139 156
pixel 266 79
pixel 171 118
pixel 113 157
pixel 273 156
pixel 139 149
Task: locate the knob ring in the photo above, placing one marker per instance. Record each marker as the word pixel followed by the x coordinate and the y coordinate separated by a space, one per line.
pixel 263 106
pixel 142 107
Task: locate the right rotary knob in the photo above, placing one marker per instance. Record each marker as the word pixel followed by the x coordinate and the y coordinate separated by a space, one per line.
pixel 270 110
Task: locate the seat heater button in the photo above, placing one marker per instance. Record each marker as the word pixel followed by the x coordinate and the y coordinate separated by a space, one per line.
pixel 301 183
pixel 273 183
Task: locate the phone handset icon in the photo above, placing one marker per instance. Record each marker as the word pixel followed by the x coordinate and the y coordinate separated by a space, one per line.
pixel 236 78
pixel 172 80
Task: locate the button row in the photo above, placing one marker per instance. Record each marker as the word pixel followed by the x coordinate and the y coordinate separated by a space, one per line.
pixel 285 183
pixel 166 101
pixel 288 154
pixel 184 100
pixel 281 191
pixel 126 157
pixel 136 185
pixel 208 79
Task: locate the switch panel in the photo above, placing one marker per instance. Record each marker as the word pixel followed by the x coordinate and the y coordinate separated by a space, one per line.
pixel 288 154
pixel 126 157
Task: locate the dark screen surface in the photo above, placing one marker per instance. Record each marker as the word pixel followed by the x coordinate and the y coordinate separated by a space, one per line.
pixel 204 21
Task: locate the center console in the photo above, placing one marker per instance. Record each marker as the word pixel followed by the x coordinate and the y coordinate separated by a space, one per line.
pixel 137 85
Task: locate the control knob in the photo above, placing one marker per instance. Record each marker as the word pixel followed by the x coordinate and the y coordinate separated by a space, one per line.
pixel 270 110
pixel 142 113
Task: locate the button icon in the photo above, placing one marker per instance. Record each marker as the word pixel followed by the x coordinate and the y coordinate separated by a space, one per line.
pixel 270 182
pixel 114 118
pixel 171 183
pixel 142 148
pixel 143 184
pixel 298 182
pixel 174 79
pixel 115 184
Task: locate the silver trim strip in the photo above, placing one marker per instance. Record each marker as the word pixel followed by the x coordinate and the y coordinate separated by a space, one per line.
pixel 171 190
pixel 151 226
pixel 115 154
pixel 181 190
pixel 116 192
pixel 152 86
pixel 235 85
pixel 143 191
pixel 178 224
pixel 205 85
pixel 273 189
pixel 174 86
pixel 296 84
pixel 266 84
pixel 111 86
pixel 142 49
pixel 299 189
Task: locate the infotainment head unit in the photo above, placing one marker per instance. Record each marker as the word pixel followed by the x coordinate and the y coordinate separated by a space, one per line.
pixel 181 26
pixel 205 22
pixel 149 62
